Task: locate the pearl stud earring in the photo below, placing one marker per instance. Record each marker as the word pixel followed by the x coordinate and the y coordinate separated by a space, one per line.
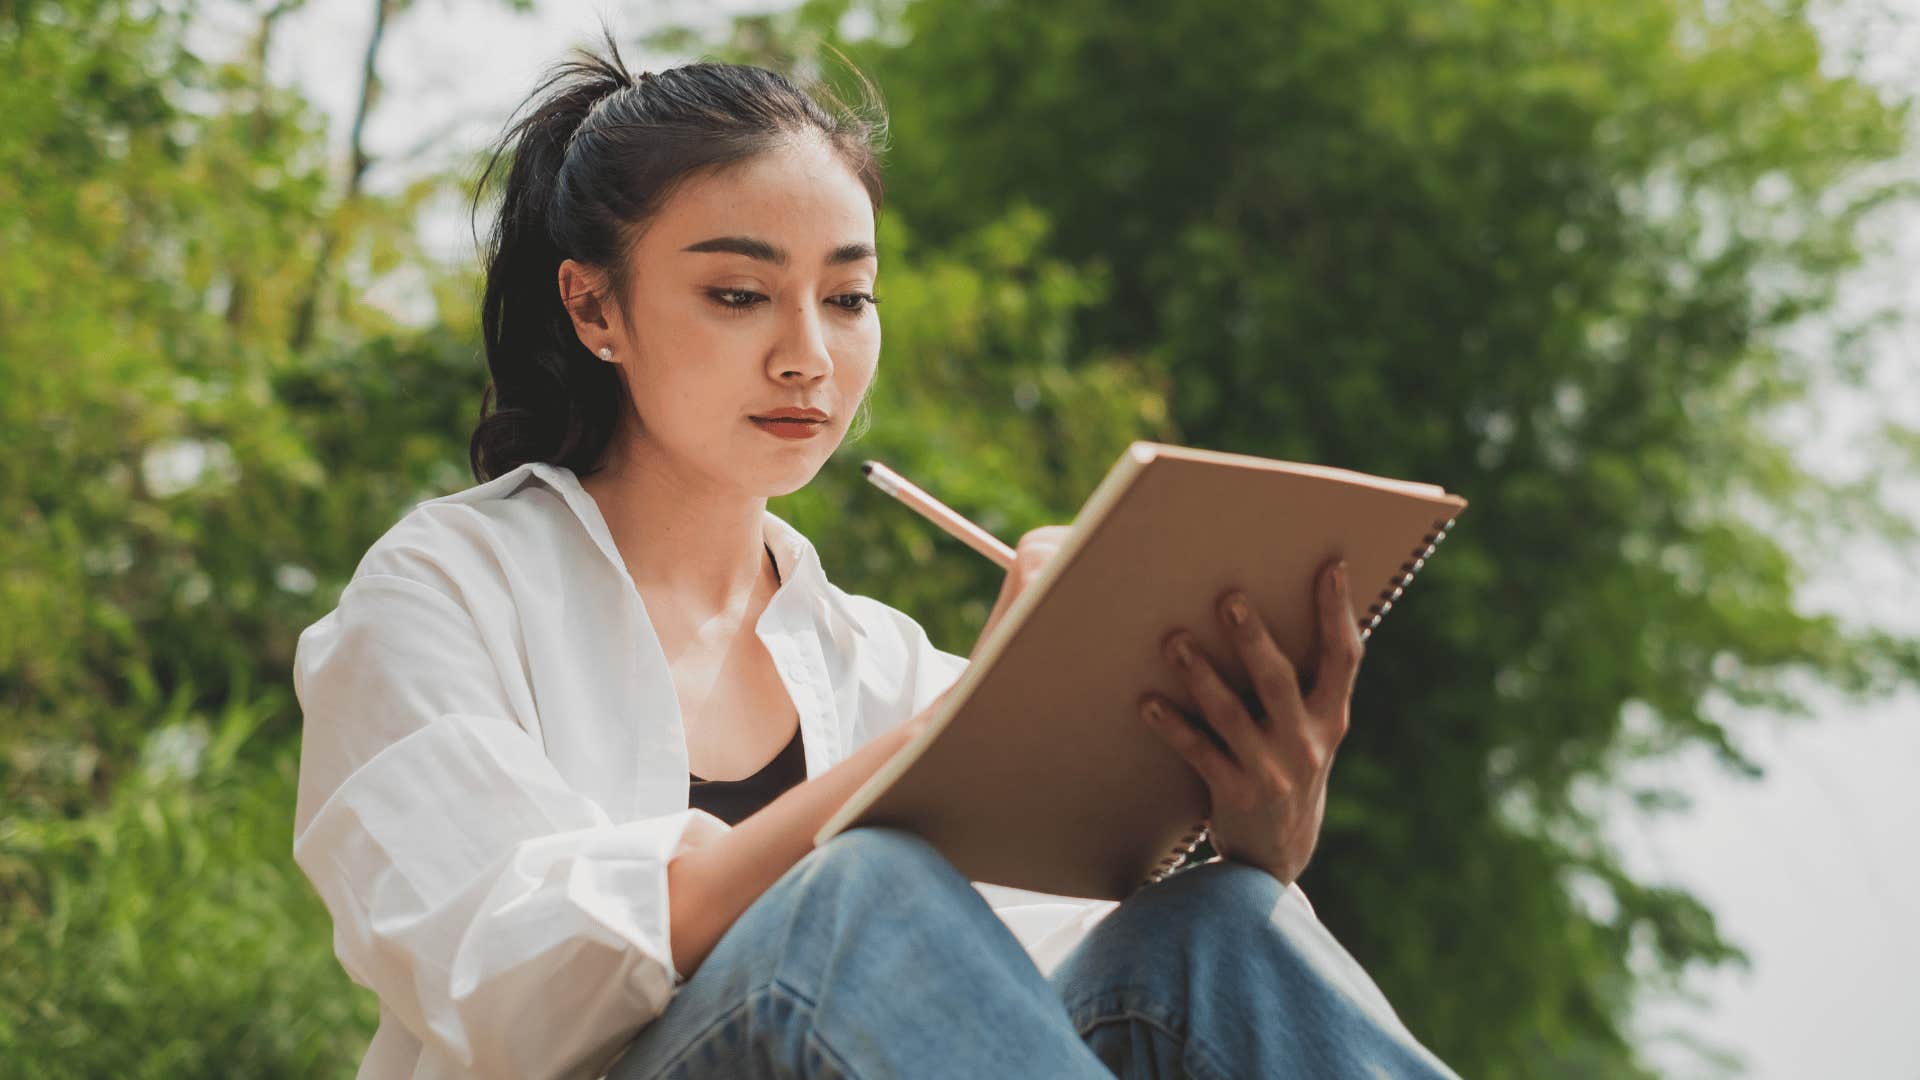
pixel 606 353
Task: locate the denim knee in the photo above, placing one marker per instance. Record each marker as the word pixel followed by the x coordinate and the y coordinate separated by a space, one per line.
pixel 1190 910
pixel 878 858
pixel 876 842
pixel 875 890
pixel 1219 890
pixel 1220 971
pixel 1204 922
pixel 875 872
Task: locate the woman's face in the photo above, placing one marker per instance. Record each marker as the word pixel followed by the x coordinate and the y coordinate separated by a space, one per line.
pixel 749 293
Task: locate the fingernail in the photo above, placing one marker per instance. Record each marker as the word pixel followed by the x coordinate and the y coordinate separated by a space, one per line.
pixel 1237 610
pixel 1340 574
pixel 1152 711
pixel 1180 651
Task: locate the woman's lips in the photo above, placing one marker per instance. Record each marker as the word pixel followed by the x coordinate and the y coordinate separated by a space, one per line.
pixel 790 429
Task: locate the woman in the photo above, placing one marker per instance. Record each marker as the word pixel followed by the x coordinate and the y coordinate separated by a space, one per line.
pixel 569 732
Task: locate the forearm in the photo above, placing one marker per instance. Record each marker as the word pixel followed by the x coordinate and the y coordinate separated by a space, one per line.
pixel 710 886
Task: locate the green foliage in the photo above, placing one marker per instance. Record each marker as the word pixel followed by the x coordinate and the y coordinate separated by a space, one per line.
pixel 148 452
pixel 167 933
pixel 182 494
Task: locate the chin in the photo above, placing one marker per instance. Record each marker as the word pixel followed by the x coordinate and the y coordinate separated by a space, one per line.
pixel 796 475
pixel 787 486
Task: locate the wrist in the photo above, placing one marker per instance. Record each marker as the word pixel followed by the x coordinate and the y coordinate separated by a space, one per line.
pixel 910 730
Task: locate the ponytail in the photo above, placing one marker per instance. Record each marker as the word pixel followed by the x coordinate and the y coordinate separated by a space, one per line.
pixel 594 156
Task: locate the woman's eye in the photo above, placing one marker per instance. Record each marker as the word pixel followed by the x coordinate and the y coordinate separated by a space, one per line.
pixel 853 301
pixel 742 299
pixel 738 299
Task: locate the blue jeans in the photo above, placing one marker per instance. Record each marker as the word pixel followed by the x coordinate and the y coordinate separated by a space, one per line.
pixel 873 957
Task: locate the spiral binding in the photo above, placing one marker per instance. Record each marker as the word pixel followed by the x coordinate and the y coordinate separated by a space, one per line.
pixel 1171 860
pixel 1398 584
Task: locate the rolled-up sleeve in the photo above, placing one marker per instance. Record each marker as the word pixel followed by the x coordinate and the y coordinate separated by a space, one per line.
pixel 933 669
pixel 502 916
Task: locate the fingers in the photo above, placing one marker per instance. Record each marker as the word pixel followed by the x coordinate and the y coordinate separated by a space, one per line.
pixel 1276 683
pixel 1031 554
pixel 1292 736
pixel 1036 546
pixel 1225 783
pixel 1338 644
pixel 1223 709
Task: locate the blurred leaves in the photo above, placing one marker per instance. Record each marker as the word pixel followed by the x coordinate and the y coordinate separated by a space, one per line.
pixel 183 492
pixel 167 933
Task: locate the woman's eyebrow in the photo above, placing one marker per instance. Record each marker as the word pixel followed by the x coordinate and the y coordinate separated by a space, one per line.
pixel 754 248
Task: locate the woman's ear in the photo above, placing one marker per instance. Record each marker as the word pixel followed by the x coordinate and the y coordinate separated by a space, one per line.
pixel 581 292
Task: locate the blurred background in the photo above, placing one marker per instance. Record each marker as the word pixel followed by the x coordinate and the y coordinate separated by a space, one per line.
pixel 1630 790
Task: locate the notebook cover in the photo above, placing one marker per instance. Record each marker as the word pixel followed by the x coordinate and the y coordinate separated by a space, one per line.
pixel 1038 772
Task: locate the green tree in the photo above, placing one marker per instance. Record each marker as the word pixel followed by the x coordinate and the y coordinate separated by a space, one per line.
pixel 170 529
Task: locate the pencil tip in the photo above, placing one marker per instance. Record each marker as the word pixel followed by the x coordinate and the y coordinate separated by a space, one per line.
pixel 866 468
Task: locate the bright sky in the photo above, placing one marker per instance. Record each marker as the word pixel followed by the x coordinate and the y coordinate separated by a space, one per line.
pixel 1814 870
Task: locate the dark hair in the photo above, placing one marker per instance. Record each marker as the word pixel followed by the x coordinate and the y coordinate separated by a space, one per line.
pixel 597 153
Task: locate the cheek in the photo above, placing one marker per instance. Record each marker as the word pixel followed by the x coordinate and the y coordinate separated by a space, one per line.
pixel 687 331
pixel 678 355
pixel 859 351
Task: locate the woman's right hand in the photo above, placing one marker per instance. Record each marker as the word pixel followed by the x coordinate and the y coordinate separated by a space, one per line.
pixel 1034 551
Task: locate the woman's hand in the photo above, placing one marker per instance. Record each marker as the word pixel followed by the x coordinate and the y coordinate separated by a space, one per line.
pixel 1032 552
pixel 1269 789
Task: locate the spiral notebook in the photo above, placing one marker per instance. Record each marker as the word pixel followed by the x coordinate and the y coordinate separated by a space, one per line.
pixel 1036 772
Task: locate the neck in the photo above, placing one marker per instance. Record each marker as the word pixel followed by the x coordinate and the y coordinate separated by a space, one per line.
pixel 681 538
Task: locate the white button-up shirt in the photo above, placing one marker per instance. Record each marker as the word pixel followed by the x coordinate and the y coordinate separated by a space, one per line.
pixel 493 773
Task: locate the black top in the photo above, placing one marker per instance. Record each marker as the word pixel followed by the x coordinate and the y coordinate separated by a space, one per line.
pixel 732 801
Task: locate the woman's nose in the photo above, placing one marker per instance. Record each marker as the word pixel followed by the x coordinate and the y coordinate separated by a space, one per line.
pixel 803 348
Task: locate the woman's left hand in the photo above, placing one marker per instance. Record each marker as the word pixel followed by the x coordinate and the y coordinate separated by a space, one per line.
pixel 1269 789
